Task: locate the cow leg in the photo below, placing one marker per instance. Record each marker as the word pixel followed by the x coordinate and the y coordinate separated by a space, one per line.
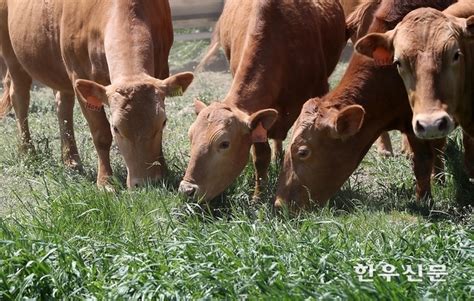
pixel 20 97
pixel 261 154
pixel 438 148
pixel 384 145
pixel 65 110
pixel 19 86
pixel 278 151
pixel 422 165
pixel 468 143
pixel 406 150
pixel 102 137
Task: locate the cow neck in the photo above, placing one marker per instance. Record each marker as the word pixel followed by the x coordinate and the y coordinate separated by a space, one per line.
pixel 361 86
pixel 466 111
pixel 259 76
pixel 379 90
pixel 128 41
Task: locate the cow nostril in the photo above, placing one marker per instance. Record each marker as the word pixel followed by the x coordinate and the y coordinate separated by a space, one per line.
pixel 190 191
pixel 419 128
pixel 443 124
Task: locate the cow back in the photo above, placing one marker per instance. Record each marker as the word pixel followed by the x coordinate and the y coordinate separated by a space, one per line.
pixel 280 53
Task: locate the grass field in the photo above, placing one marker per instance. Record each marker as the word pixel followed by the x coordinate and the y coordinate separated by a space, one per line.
pixel 61 237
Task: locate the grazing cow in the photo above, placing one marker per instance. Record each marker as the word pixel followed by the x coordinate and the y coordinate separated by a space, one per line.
pixel 333 134
pixel 280 54
pixel 112 53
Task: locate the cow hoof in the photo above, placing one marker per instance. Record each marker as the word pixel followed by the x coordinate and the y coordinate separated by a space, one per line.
pixel 278 204
pixel 107 187
pixel 74 165
pixel 406 151
pixel 385 153
pixel 439 178
pixel 27 149
pixel 256 199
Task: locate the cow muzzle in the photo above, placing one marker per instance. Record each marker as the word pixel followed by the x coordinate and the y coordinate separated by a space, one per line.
pixel 188 189
pixel 135 182
pixel 432 126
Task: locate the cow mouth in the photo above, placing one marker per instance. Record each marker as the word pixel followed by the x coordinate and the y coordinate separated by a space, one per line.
pixel 431 137
pixel 189 189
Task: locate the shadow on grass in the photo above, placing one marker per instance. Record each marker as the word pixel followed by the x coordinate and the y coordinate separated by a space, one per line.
pixel 401 197
pixel 464 190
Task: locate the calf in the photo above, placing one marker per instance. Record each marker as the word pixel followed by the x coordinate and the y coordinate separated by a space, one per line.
pixel 333 134
pixel 280 54
pixel 111 53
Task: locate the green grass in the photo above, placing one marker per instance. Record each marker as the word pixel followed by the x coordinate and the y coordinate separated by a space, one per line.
pixel 62 238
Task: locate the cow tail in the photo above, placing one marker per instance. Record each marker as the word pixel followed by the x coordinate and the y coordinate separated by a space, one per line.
pixel 211 50
pixel 5 101
pixel 355 19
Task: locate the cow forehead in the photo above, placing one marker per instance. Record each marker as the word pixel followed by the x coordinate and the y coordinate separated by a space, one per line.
pixel 135 97
pixel 216 115
pixel 214 121
pixel 137 108
pixel 305 125
pixel 425 30
pixel 137 92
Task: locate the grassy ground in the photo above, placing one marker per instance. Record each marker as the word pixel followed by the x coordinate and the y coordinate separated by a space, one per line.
pixel 60 237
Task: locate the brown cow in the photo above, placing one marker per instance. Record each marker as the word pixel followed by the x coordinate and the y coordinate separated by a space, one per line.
pixel 434 54
pixel 334 133
pixel 280 54
pixel 121 47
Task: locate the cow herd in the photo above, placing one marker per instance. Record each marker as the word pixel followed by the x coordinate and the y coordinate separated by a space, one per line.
pixel 412 72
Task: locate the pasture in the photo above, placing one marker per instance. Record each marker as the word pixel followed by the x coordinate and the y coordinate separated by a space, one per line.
pixel 61 237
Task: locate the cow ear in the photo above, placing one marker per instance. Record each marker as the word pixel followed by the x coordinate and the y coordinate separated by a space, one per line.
pixel 92 94
pixel 349 121
pixel 469 29
pixel 176 85
pixel 260 122
pixel 378 46
pixel 199 106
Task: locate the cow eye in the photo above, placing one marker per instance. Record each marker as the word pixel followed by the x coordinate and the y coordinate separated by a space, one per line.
pixel 164 122
pixel 303 152
pixel 224 145
pixel 116 130
pixel 457 55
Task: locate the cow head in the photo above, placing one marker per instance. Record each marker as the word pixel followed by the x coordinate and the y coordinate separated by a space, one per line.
pixel 221 138
pixel 320 156
pixel 431 52
pixel 137 118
